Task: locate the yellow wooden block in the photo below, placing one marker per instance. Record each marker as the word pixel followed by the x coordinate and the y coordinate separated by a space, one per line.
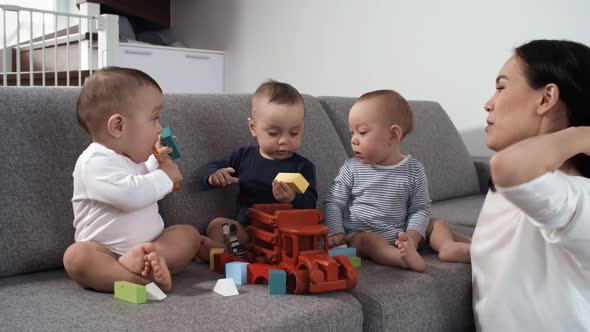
pixel 295 181
pixel 212 253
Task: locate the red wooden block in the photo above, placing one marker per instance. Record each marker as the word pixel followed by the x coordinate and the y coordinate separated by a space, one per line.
pixel 258 273
pixel 219 261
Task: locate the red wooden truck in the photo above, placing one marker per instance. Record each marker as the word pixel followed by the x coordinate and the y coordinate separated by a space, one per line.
pixel 282 237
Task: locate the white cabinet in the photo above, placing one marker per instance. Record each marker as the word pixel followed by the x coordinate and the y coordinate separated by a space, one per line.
pixel 177 70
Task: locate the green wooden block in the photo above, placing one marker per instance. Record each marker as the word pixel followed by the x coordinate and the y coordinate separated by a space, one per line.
pixel 354 261
pixel 130 292
pixel 168 140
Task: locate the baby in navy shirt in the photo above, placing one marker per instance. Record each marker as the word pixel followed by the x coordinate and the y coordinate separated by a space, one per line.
pixel 277 124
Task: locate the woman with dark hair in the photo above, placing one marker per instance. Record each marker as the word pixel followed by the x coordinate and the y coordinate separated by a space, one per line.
pixel 531 248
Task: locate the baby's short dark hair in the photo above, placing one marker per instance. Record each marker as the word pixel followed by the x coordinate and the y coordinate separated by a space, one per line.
pixel 107 92
pixel 397 107
pixel 278 93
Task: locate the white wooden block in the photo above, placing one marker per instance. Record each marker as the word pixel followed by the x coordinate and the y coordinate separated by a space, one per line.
pixel 226 287
pixel 154 292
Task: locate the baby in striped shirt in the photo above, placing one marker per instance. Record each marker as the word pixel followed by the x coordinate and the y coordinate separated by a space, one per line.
pixel 379 201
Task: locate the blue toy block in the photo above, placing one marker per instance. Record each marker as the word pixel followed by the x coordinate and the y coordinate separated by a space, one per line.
pixel 168 140
pixel 277 282
pixel 238 271
pixel 350 251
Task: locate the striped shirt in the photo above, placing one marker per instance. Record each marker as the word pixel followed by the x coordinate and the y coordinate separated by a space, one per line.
pixel 379 199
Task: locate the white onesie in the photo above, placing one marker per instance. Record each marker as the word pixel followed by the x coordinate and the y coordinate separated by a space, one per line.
pixel 115 199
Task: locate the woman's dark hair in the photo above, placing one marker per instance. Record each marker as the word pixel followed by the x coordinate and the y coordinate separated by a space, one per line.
pixel 567 65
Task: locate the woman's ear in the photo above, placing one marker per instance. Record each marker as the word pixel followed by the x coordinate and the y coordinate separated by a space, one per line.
pixel 252 126
pixel 549 99
pixel 115 125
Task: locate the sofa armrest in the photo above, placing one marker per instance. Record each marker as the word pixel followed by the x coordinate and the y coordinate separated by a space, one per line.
pixel 482 166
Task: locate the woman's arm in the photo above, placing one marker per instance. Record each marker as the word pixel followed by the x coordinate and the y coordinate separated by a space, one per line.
pixel 533 157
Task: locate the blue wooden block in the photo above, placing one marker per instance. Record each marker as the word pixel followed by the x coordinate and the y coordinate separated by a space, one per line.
pixel 350 251
pixel 238 271
pixel 277 282
pixel 168 140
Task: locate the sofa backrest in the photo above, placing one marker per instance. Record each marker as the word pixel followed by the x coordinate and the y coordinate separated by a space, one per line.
pixel 41 141
pixel 434 141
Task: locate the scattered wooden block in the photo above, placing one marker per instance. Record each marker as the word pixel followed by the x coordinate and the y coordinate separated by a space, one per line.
pixel 277 282
pixel 226 287
pixel 238 271
pixel 355 261
pixel 295 181
pixel 219 261
pixel 258 273
pixel 130 292
pixel 211 256
pixel 154 292
pixel 168 140
pixel 350 251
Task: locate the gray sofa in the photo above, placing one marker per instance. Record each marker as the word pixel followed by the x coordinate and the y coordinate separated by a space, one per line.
pixel 40 142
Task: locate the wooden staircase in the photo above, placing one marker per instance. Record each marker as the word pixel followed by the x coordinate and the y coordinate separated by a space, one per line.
pixel 55 54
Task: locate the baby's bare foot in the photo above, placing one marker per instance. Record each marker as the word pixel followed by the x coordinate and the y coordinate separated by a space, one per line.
pixel 146 269
pixel 159 271
pixel 409 254
pixel 134 258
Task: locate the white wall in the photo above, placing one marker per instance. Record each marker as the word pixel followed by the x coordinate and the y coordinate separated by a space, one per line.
pixel 446 51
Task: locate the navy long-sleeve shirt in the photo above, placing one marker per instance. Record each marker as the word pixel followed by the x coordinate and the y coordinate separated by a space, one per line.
pixel 256 174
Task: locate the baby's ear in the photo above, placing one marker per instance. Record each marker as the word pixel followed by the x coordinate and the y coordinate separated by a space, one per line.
pixel 396 133
pixel 115 125
pixel 252 126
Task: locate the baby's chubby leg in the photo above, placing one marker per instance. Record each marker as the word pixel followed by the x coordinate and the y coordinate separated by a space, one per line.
pixel 458 237
pixel 380 251
pixel 450 246
pixel 94 266
pixel 206 245
pixel 177 245
pixel 174 250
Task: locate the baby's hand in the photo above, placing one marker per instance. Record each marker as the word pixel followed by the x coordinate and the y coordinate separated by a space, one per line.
pixel 282 192
pixel 338 240
pixel 163 149
pixel 222 177
pixel 171 169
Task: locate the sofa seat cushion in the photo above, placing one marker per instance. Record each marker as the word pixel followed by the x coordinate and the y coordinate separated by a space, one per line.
pixel 395 299
pixel 460 213
pixel 50 301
